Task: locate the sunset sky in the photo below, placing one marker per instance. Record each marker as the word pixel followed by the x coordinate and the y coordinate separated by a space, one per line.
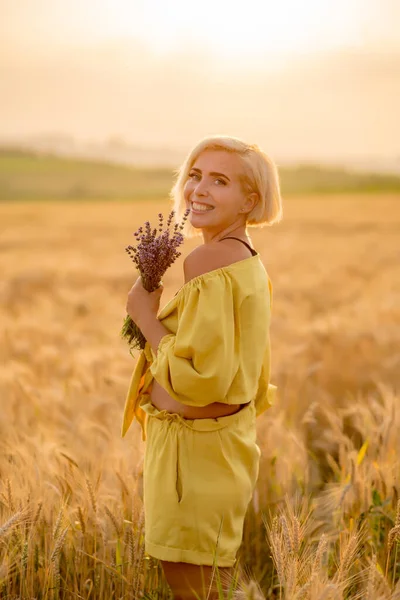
pixel 310 79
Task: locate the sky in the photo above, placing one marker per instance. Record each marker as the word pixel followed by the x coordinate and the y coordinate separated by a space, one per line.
pixel 305 79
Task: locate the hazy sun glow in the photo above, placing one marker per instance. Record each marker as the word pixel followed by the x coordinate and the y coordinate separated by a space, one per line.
pixel 232 28
pixel 309 79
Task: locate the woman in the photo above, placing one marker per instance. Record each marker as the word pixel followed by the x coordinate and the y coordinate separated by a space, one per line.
pixel 203 376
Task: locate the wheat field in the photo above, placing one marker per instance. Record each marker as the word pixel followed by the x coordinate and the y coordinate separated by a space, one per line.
pixel 324 522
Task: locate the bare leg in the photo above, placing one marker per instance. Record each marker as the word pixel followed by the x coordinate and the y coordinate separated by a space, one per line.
pixel 186 580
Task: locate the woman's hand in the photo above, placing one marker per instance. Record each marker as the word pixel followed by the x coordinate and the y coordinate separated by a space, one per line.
pixel 141 304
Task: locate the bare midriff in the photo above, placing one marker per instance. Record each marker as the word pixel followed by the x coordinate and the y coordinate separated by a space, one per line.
pixel 163 401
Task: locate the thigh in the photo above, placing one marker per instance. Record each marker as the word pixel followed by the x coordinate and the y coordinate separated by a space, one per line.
pixel 186 580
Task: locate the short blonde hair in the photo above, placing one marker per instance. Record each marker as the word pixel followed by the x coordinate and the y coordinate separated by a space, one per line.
pixel 260 176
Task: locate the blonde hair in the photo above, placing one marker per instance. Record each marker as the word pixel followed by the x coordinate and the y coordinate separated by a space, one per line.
pixel 260 176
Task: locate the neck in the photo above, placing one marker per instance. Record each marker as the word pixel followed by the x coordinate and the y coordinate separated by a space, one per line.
pixel 234 230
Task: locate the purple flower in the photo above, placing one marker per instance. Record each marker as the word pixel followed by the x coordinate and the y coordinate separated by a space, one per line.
pixel 152 256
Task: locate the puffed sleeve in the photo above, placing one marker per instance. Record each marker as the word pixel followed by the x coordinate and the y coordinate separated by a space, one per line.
pixel 197 365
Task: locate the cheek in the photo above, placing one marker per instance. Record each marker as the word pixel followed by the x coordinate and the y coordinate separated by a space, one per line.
pixel 237 201
pixel 188 188
pixel 228 201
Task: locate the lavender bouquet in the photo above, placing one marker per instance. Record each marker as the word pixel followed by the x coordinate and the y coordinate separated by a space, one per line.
pixel 152 257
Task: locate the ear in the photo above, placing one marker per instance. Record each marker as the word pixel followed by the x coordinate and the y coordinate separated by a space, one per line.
pixel 251 201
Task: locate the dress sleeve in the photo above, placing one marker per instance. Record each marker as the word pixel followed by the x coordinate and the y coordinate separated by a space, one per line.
pixel 197 365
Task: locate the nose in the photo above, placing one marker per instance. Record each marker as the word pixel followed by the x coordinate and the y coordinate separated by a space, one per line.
pixel 201 189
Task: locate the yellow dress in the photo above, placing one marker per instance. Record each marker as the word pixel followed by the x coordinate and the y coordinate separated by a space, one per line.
pixel 199 474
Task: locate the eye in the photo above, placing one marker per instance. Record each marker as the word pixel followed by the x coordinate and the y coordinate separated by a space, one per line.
pixel 193 175
pixel 221 181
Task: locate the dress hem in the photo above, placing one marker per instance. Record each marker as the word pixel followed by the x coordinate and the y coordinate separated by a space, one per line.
pixel 188 556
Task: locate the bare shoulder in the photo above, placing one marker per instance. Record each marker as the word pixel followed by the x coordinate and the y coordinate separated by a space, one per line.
pixel 209 257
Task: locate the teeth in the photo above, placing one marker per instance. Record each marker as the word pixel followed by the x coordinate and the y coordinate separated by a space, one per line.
pixel 201 207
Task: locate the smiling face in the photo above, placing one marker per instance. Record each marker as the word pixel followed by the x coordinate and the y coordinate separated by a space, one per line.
pixel 214 192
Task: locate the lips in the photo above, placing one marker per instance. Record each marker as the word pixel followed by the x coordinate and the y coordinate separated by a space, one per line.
pixel 208 209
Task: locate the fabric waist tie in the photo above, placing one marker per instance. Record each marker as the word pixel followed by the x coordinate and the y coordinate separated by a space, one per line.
pixel 206 424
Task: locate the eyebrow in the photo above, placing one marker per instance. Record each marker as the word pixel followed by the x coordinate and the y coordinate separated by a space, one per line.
pixel 214 173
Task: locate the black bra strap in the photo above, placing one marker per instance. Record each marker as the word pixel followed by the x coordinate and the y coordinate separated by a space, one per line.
pixel 254 252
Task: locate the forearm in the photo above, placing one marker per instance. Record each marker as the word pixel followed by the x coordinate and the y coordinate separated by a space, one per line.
pixel 153 330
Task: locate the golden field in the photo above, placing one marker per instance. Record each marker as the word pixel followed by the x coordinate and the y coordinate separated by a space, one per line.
pixel 325 519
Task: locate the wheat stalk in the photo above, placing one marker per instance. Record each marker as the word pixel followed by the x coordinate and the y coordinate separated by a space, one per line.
pixel 91 495
pixel 296 534
pixel 81 520
pixel 286 534
pixel 10 498
pixel 321 548
pixel 129 541
pixel 59 544
pixel 124 487
pixel 114 521
pixel 58 523
pixel 371 579
pixel 138 555
pixel 36 560
pixel 24 556
pixel 394 533
pixel 13 520
pixel 397 517
pixel 248 591
pixel 37 514
pixel 291 577
pixel 347 557
pixel 277 554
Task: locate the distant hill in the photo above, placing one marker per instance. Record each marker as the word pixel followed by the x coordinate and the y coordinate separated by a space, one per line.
pixel 113 150
pixel 28 175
